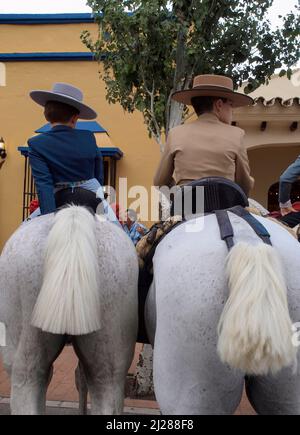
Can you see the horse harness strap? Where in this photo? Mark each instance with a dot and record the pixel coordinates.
(259, 229)
(226, 230)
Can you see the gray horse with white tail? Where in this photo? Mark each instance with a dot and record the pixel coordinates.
(68, 276)
(216, 319)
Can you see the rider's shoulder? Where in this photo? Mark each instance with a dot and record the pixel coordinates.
(35, 140)
(83, 132)
(236, 130)
(195, 124)
(87, 134)
(179, 129)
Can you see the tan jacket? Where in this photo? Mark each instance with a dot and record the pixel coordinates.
(204, 148)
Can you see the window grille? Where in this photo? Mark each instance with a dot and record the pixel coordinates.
(110, 158)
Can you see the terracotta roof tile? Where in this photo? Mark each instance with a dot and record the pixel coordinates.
(285, 103)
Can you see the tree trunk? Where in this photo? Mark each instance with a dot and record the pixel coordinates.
(176, 115)
(144, 372)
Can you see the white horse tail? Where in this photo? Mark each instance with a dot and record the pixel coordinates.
(69, 301)
(255, 328)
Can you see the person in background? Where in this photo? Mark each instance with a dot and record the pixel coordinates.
(289, 176)
(105, 209)
(34, 205)
(134, 229)
(116, 209)
(3, 156)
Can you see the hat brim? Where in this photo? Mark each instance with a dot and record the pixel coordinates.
(238, 99)
(42, 97)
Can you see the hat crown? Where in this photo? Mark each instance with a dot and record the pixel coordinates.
(68, 90)
(213, 80)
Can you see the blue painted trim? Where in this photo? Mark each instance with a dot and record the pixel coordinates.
(46, 18)
(114, 153)
(92, 126)
(45, 57)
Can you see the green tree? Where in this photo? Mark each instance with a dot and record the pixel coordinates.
(151, 48)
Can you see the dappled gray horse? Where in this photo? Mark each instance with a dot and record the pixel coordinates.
(216, 319)
(68, 275)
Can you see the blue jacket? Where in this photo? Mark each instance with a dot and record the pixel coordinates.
(63, 155)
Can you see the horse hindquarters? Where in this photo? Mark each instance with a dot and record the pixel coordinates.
(104, 371)
(32, 370)
(191, 290)
(189, 377)
(105, 355)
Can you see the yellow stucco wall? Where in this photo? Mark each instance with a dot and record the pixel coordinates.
(40, 38)
(19, 117)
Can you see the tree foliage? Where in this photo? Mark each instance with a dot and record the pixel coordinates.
(151, 48)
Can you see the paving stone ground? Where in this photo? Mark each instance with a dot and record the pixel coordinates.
(62, 395)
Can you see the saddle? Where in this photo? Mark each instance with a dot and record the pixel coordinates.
(220, 197)
(77, 196)
(218, 193)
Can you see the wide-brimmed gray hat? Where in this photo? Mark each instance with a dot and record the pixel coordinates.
(65, 93)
